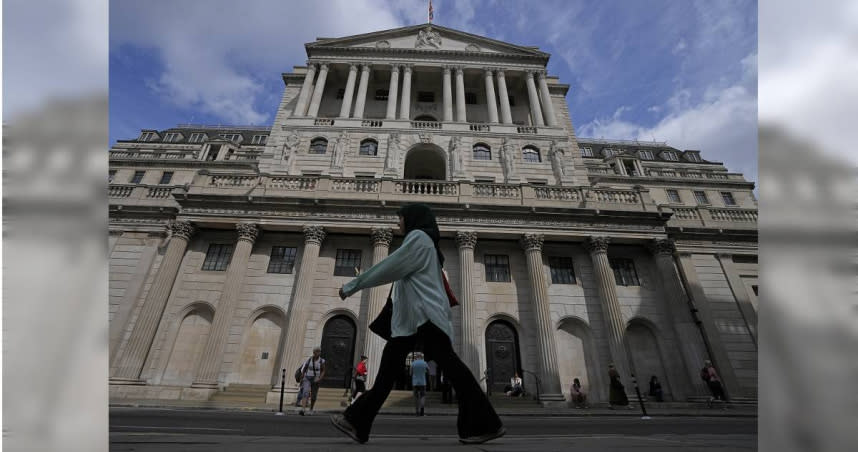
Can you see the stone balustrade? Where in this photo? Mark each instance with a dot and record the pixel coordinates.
(613, 196)
(371, 123)
(350, 185)
(139, 154)
(428, 188)
(559, 193)
(524, 129)
(159, 192)
(120, 191)
(505, 191)
(233, 181)
(425, 125)
(323, 122)
(141, 194)
(479, 127)
(292, 183)
(714, 217)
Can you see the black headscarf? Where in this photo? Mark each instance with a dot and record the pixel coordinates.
(420, 216)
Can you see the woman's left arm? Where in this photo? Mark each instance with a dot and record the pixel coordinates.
(409, 258)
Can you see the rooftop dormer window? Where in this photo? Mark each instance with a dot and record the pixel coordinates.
(197, 137)
(234, 137)
(670, 155)
(259, 139)
(608, 152)
(587, 152)
(692, 156)
(148, 136)
(645, 155)
(172, 137)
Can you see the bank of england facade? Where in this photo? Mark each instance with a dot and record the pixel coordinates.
(228, 244)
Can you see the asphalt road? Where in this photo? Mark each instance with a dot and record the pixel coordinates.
(133, 429)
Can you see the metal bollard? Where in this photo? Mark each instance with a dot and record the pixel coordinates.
(640, 399)
(282, 388)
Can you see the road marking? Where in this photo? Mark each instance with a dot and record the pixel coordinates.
(179, 428)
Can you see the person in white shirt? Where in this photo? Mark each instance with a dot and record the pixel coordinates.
(515, 386)
(314, 372)
(421, 317)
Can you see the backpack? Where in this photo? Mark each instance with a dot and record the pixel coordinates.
(704, 374)
(299, 373)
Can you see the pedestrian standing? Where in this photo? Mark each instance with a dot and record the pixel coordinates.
(432, 383)
(446, 389)
(713, 381)
(421, 313)
(360, 378)
(617, 395)
(419, 368)
(314, 372)
(655, 389)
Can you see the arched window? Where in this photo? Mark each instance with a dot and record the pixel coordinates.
(482, 151)
(369, 147)
(318, 146)
(530, 154)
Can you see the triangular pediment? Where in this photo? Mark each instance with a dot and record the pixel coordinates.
(426, 37)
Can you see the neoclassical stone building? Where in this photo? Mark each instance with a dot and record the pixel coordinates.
(228, 244)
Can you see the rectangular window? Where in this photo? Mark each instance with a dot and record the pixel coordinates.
(341, 93)
(692, 157)
(137, 177)
(282, 259)
(217, 257)
(728, 198)
(172, 137)
(744, 259)
(425, 96)
(631, 170)
(110, 175)
(512, 101)
(561, 270)
(381, 94)
(700, 197)
(471, 98)
(669, 155)
(348, 263)
(624, 272)
(213, 152)
(235, 137)
(587, 152)
(756, 290)
(645, 155)
(497, 268)
(608, 152)
(197, 138)
(259, 139)
(147, 136)
(673, 196)
(166, 177)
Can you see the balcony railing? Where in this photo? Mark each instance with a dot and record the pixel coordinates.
(479, 127)
(323, 122)
(426, 125)
(714, 217)
(371, 123)
(142, 194)
(525, 129)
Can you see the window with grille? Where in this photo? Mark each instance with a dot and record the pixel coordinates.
(197, 138)
(368, 147)
(137, 177)
(587, 152)
(214, 150)
(673, 196)
(282, 259)
(217, 257)
(166, 177)
(669, 155)
(561, 270)
(348, 263)
(319, 146)
(482, 152)
(645, 155)
(259, 139)
(425, 96)
(624, 272)
(172, 137)
(692, 157)
(497, 268)
(381, 94)
(728, 198)
(530, 154)
(700, 197)
(110, 175)
(471, 98)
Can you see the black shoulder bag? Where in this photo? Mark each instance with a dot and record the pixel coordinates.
(381, 324)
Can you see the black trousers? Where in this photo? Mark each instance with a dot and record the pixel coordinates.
(476, 415)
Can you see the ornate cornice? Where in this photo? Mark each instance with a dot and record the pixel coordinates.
(247, 231)
(663, 247)
(182, 229)
(314, 234)
(597, 244)
(381, 236)
(532, 242)
(466, 239)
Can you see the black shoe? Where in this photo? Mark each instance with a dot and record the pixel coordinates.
(346, 427)
(483, 438)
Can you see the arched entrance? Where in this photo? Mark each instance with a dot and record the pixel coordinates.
(576, 358)
(425, 161)
(645, 356)
(502, 355)
(260, 351)
(188, 347)
(338, 346)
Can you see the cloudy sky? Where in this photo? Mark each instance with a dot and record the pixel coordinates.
(684, 72)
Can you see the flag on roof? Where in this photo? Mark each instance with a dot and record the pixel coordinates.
(431, 12)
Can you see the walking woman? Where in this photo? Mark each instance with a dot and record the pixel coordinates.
(617, 395)
(421, 317)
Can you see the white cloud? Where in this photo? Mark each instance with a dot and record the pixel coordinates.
(680, 46)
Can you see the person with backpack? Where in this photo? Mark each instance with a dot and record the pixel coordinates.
(713, 381)
(360, 378)
(312, 374)
(420, 319)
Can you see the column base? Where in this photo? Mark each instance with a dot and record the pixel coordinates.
(290, 395)
(205, 385)
(131, 392)
(126, 381)
(197, 393)
(552, 400)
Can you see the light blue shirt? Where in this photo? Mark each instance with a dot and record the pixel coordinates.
(418, 372)
(418, 294)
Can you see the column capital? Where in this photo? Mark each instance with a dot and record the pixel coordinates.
(406, 68)
(247, 231)
(532, 242)
(353, 65)
(466, 239)
(314, 234)
(182, 229)
(597, 244)
(394, 68)
(500, 72)
(381, 236)
(365, 67)
(446, 68)
(529, 74)
(540, 74)
(488, 71)
(662, 247)
(459, 69)
(312, 64)
(323, 65)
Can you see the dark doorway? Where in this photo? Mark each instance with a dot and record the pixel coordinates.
(502, 356)
(338, 346)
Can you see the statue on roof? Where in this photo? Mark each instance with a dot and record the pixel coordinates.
(427, 37)
(556, 154)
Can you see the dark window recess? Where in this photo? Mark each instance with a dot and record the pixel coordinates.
(282, 259)
(166, 178)
(471, 98)
(341, 93)
(110, 175)
(214, 150)
(624, 272)
(630, 168)
(701, 197)
(368, 147)
(728, 198)
(318, 146)
(561, 270)
(381, 94)
(531, 155)
(744, 259)
(137, 177)
(512, 101)
(425, 96)
(229, 154)
(217, 257)
(348, 263)
(482, 152)
(264, 355)
(756, 290)
(497, 268)
(673, 196)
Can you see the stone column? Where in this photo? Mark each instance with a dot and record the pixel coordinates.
(374, 345)
(691, 347)
(391, 93)
(615, 327)
(306, 89)
(212, 357)
(548, 107)
(317, 92)
(460, 95)
(137, 349)
(535, 111)
(506, 114)
(490, 97)
(360, 103)
(448, 96)
(467, 240)
(299, 309)
(405, 105)
(348, 96)
(546, 347)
